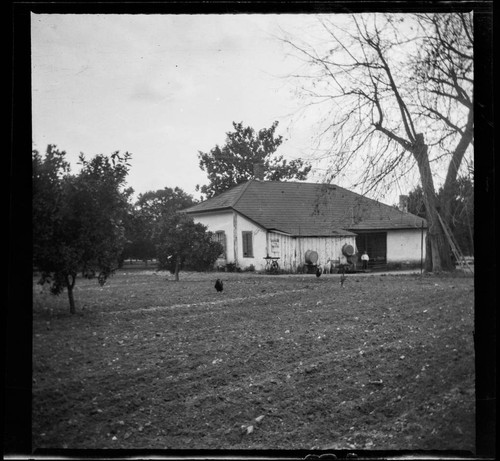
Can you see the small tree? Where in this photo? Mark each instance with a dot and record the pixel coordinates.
(233, 163)
(183, 243)
(149, 210)
(77, 220)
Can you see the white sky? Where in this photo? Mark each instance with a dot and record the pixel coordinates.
(164, 87)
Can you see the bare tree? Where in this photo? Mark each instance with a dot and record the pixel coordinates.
(399, 93)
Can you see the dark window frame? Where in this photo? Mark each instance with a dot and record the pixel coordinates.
(247, 244)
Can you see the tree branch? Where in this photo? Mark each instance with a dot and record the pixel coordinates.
(459, 152)
(403, 142)
(405, 115)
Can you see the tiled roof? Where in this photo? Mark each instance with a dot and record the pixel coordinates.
(308, 209)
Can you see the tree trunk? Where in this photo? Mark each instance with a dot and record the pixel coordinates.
(437, 257)
(70, 283)
(444, 211)
(449, 186)
(428, 252)
(445, 206)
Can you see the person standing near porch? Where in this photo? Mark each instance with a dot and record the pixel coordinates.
(365, 258)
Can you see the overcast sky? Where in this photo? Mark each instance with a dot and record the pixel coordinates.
(161, 87)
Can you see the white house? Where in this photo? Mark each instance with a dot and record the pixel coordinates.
(297, 223)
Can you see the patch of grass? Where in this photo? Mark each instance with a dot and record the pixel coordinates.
(384, 363)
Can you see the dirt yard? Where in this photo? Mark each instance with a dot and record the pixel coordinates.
(272, 362)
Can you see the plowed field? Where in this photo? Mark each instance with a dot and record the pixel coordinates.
(272, 362)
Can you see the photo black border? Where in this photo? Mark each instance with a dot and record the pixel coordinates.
(18, 312)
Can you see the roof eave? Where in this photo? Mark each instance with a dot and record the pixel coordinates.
(211, 210)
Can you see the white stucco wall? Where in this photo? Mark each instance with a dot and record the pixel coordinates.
(233, 224)
(404, 245)
(259, 243)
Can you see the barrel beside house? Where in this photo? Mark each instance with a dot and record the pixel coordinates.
(311, 261)
(311, 257)
(347, 250)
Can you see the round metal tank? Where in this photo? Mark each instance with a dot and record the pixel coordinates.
(347, 250)
(311, 257)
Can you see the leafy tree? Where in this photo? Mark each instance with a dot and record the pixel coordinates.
(138, 237)
(151, 209)
(77, 219)
(416, 203)
(398, 89)
(233, 163)
(48, 175)
(183, 243)
(154, 205)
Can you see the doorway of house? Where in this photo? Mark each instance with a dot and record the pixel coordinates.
(375, 244)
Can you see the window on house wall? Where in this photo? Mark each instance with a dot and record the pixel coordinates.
(220, 236)
(247, 244)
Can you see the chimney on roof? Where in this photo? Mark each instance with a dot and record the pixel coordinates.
(403, 203)
(258, 170)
